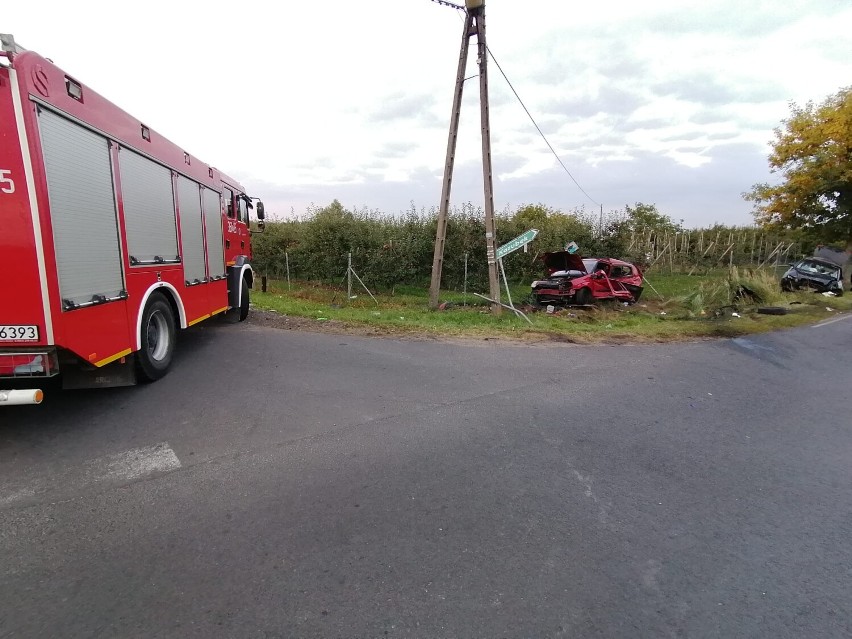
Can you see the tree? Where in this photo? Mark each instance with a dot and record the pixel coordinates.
(532, 215)
(646, 217)
(812, 152)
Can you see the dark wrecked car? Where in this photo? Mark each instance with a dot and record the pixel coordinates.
(572, 279)
(821, 275)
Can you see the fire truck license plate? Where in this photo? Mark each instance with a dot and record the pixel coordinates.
(18, 333)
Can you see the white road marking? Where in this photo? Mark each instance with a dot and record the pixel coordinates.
(586, 482)
(750, 345)
(10, 497)
(649, 574)
(119, 468)
(832, 321)
(135, 463)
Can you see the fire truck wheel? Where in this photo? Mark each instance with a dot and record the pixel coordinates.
(244, 300)
(158, 339)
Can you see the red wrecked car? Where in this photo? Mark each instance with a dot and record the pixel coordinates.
(572, 279)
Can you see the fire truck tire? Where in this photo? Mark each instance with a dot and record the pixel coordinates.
(158, 339)
(244, 300)
(583, 297)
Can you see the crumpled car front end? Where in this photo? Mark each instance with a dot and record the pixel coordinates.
(815, 274)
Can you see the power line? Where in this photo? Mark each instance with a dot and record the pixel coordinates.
(450, 4)
(532, 119)
(541, 133)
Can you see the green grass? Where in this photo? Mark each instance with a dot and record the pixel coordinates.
(683, 307)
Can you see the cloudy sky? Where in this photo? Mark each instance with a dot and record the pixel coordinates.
(665, 102)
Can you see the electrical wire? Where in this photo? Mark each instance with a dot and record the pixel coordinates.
(450, 4)
(540, 132)
(526, 110)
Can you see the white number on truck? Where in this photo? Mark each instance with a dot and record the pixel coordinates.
(7, 185)
(18, 333)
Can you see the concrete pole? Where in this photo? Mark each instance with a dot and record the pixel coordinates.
(490, 225)
(441, 233)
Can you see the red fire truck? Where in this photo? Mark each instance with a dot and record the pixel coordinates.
(112, 235)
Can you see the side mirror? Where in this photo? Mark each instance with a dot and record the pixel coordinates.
(261, 215)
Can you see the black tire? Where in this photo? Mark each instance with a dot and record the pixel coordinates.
(244, 300)
(772, 310)
(583, 297)
(158, 339)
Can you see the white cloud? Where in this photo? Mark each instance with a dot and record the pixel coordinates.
(306, 102)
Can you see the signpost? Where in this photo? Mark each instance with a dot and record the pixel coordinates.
(513, 245)
(518, 242)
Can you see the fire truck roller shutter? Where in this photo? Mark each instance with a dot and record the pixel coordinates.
(213, 225)
(82, 210)
(192, 239)
(149, 209)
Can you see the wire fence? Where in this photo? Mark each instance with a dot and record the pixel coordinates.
(700, 251)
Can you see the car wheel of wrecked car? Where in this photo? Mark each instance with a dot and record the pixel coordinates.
(787, 285)
(583, 297)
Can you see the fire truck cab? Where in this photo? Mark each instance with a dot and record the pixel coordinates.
(113, 237)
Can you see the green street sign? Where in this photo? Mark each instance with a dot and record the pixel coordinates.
(518, 242)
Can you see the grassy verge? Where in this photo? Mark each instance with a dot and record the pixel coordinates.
(683, 307)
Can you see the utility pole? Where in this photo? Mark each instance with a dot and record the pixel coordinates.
(474, 25)
(443, 211)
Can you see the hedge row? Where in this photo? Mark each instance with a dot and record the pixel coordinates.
(397, 250)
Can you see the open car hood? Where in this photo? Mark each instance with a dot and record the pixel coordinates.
(563, 261)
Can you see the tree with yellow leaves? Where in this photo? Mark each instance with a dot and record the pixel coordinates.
(812, 152)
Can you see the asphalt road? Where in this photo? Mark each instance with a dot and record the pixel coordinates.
(286, 484)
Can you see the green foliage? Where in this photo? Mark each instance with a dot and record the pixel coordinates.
(645, 217)
(392, 251)
(812, 152)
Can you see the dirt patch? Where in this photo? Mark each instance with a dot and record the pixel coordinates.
(271, 319)
(709, 328)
